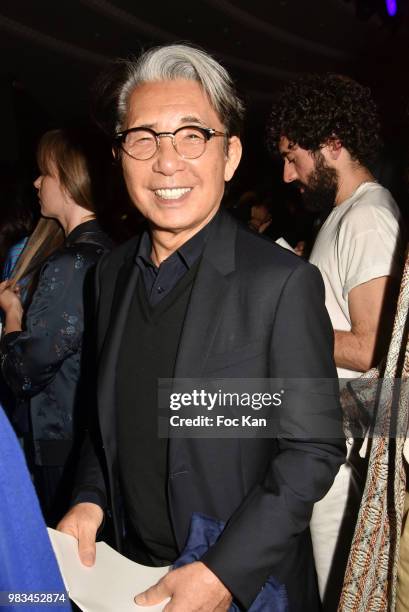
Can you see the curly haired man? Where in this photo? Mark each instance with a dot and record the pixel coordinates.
(326, 128)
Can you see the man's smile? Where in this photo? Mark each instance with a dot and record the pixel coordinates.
(172, 193)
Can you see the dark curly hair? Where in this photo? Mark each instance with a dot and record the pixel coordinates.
(314, 109)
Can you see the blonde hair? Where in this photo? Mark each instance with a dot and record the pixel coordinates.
(46, 238)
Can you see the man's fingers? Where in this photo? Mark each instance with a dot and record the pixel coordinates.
(86, 545)
(154, 595)
(82, 522)
(67, 528)
(86, 540)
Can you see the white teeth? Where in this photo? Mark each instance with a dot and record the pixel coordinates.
(172, 194)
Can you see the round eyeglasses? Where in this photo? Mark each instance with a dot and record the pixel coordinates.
(142, 143)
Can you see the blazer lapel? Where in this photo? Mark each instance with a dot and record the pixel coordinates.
(201, 322)
(205, 305)
(203, 316)
(125, 287)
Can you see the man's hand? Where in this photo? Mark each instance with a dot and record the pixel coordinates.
(82, 522)
(300, 248)
(191, 588)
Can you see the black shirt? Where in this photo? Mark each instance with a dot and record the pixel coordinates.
(159, 281)
(148, 351)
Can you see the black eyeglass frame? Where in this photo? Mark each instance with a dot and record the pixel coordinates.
(208, 133)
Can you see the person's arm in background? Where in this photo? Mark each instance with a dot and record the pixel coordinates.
(11, 306)
(369, 248)
(371, 308)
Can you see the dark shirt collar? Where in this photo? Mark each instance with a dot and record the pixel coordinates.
(189, 252)
(87, 226)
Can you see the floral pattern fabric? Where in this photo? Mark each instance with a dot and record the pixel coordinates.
(42, 364)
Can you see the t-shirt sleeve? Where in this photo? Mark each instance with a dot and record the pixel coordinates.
(368, 246)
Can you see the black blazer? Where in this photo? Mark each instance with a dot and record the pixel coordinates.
(256, 310)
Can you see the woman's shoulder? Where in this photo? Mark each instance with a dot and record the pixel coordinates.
(95, 238)
(64, 273)
(74, 257)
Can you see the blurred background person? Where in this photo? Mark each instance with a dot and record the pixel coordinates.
(260, 217)
(41, 348)
(278, 214)
(18, 217)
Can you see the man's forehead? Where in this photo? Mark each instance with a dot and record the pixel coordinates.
(183, 101)
(184, 120)
(286, 146)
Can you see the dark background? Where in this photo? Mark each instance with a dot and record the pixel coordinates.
(53, 50)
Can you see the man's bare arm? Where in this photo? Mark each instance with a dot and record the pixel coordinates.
(371, 307)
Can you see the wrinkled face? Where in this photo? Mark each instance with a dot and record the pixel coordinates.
(173, 193)
(318, 182)
(51, 195)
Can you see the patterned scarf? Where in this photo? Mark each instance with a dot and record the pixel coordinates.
(371, 575)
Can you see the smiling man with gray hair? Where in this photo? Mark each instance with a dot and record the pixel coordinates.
(199, 296)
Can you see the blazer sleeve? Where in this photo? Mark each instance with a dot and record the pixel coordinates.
(261, 533)
(54, 325)
(90, 482)
(90, 478)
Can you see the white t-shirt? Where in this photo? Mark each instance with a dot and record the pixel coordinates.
(359, 241)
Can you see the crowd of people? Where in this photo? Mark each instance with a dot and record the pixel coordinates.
(95, 314)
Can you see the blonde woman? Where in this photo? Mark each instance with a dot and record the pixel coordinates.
(42, 341)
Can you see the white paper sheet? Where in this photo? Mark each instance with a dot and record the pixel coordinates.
(282, 242)
(111, 584)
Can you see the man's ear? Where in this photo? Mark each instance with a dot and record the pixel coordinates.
(333, 148)
(233, 157)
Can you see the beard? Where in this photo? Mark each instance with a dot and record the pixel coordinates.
(321, 188)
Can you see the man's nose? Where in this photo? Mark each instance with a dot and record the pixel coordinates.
(37, 182)
(289, 173)
(167, 160)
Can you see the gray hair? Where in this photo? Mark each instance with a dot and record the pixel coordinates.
(183, 62)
